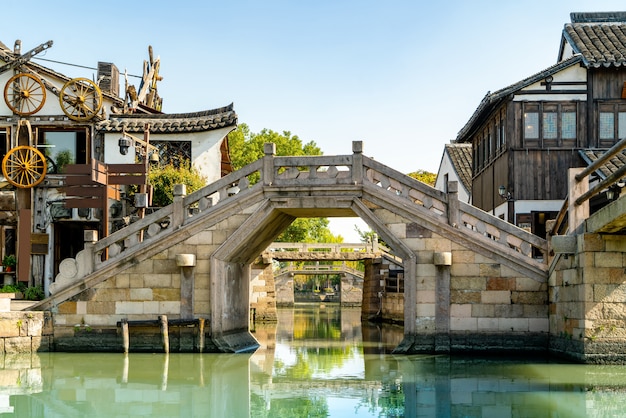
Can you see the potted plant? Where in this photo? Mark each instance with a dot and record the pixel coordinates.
(8, 262)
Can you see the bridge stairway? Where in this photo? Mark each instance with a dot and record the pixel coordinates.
(345, 185)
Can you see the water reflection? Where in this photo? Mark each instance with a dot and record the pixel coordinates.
(318, 362)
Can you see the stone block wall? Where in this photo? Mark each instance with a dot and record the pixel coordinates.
(263, 293)
(475, 303)
(25, 332)
(393, 307)
(587, 295)
(351, 290)
(143, 292)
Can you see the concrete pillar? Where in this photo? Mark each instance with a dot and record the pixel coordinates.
(186, 262)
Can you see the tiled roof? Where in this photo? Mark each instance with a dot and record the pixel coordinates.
(461, 158)
(492, 100)
(599, 37)
(608, 168)
(172, 122)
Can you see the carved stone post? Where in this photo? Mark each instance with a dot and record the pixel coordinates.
(357, 162)
(268, 163)
(178, 214)
(453, 204)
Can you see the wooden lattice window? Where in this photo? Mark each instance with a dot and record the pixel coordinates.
(173, 152)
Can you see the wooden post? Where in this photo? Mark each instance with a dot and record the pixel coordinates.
(165, 333)
(125, 337)
(201, 334)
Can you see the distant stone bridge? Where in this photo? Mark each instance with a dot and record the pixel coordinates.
(470, 279)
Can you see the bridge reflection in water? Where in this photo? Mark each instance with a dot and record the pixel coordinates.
(318, 362)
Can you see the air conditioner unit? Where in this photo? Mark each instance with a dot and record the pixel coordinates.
(109, 77)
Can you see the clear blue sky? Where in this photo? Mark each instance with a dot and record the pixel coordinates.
(401, 76)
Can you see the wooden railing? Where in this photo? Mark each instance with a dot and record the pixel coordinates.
(303, 172)
(563, 224)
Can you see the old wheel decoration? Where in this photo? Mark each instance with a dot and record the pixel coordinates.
(25, 94)
(81, 99)
(24, 167)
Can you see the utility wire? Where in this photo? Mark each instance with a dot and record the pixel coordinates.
(76, 65)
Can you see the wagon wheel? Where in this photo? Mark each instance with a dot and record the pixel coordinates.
(81, 99)
(24, 166)
(25, 94)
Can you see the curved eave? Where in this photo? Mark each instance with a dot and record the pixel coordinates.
(207, 120)
(599, 56)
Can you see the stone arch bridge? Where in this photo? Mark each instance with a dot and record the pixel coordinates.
(471, 281)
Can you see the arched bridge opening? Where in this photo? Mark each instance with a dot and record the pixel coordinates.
(193, 259)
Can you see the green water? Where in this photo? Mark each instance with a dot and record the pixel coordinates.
(318, 362)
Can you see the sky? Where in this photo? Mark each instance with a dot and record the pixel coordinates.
(402, 76)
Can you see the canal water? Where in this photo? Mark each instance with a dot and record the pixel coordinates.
(319, 361)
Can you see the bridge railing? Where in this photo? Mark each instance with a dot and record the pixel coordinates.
(446, 208)
(353, 170)
(319, 269)
(185, 209)
(324, 247)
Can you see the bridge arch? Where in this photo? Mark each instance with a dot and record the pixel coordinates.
(425, 227)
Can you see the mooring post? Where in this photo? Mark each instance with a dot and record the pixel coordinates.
(165, 333)
(201, 334)
(125, 337)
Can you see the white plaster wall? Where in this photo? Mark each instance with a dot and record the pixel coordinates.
(205, 149)
(446, 167)
(571, 74)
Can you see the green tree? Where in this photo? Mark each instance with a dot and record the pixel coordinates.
(424, 176)
(246, 147)
(164, 178)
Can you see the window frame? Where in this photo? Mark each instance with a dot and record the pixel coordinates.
(617, 111)
(82, 154)
(550, 126)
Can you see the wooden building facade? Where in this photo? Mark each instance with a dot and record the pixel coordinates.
(525, 137)
(69, 148)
